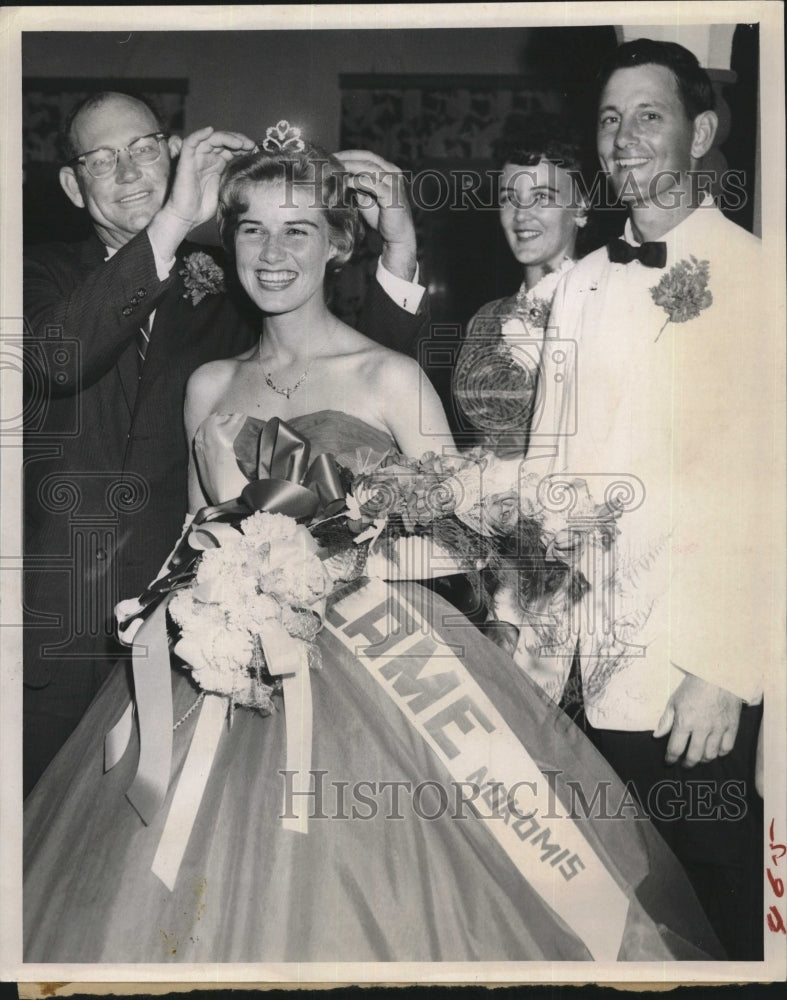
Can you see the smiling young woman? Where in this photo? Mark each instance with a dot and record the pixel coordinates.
(288, 219)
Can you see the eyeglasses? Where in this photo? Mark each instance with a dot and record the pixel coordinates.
(102, 162)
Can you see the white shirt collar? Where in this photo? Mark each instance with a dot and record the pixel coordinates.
(628, 231)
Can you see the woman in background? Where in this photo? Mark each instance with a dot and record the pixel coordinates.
(542, 214)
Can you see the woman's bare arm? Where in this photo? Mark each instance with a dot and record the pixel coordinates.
(411, 408)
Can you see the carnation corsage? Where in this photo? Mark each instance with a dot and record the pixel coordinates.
(265, 580)
(202, 276)
(683, 291)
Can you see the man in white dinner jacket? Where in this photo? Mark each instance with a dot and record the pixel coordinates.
(674, 372)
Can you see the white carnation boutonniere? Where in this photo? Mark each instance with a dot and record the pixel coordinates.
(683, 291)
(202, 276)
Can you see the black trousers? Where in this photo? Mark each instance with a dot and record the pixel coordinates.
(52, 712)
(711, 817)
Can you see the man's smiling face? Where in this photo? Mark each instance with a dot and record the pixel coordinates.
(644, 135)
(123, 203)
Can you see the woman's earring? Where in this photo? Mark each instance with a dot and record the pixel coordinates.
(582, 221)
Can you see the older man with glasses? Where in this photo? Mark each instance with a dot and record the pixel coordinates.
(114, 327)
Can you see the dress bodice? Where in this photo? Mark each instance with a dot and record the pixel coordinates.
(496, 376)
(353, 442)
(494, 380)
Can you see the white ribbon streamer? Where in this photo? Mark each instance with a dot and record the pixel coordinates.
(288, 658)
(191, 787)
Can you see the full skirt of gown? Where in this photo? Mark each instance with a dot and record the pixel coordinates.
(421, 879)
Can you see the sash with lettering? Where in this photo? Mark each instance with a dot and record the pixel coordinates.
(552, 838)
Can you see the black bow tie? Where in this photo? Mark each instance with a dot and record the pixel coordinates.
(648, 254)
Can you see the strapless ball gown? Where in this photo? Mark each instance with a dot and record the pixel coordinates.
(377, 877)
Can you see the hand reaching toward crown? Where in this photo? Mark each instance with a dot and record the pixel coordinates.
(383, 203)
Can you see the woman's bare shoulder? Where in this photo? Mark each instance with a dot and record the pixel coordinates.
(205, 387)
(393, 366)
(373, 353)
(213, 375)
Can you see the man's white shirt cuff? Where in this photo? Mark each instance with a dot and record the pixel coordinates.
(406, 294)
(163, 267)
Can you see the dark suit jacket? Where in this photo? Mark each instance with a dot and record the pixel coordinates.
(105, 463)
